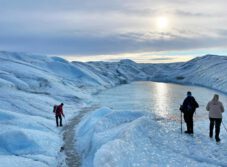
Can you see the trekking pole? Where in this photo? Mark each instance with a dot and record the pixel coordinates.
(65, 120)
(224, 126)
(181, 121)
(181, 118)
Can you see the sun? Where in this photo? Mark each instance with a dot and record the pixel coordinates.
(162, 23)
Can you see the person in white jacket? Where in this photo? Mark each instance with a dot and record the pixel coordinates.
(215, 108)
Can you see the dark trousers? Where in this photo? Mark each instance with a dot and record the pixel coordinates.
(58, 116)
(217, 123)
(188, 118)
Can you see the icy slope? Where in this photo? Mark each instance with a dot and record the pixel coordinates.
(30, 85)
(208, 71)
(110, 138)
(116, 73)
(43, 74)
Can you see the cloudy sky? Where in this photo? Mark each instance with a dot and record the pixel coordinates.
(143, 30)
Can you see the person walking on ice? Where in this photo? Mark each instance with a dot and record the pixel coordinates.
(215, 108)
(188, 108)
(58, 110)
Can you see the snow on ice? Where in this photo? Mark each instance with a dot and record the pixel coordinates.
(135, 139)
(31, 84)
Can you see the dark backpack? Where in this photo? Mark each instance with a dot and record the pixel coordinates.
(55, 108)
(190, 105)
(189, 108)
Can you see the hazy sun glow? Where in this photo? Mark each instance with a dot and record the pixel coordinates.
(162, 23)
(150, 57)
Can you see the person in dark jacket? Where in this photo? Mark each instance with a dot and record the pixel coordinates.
(188, 108)
(59, 113)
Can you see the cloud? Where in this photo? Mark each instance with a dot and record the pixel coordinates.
(114, 44)
(84, 27)
(188, 13)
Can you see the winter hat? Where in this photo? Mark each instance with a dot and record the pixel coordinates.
(189, 93)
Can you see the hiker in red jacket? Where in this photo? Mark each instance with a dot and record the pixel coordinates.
(59, 113)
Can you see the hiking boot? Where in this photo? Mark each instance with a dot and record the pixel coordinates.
(190, 132)
(218, 140)
(186, 132)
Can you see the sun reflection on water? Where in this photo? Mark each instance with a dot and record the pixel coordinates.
(162, 99)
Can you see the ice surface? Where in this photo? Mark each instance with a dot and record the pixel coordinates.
(31, 84)
(126, 139)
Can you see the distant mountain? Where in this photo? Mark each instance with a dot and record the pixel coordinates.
(208, 71)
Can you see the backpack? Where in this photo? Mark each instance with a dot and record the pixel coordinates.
(55, 108)
(189, 107)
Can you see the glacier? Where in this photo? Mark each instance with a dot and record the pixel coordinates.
(31, 84)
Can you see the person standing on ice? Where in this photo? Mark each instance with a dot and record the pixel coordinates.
(215, 108)
(59, 113)
(188, 108)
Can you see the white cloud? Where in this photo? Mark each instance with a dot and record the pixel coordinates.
(116, 26)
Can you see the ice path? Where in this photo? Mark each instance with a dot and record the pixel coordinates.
(73, 159)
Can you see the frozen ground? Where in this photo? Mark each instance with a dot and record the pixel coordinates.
(31, 84)
(126, 139)
(144, 130)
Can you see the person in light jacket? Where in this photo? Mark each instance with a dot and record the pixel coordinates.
(215, 108)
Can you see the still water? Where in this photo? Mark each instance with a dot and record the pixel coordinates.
(162, 99)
